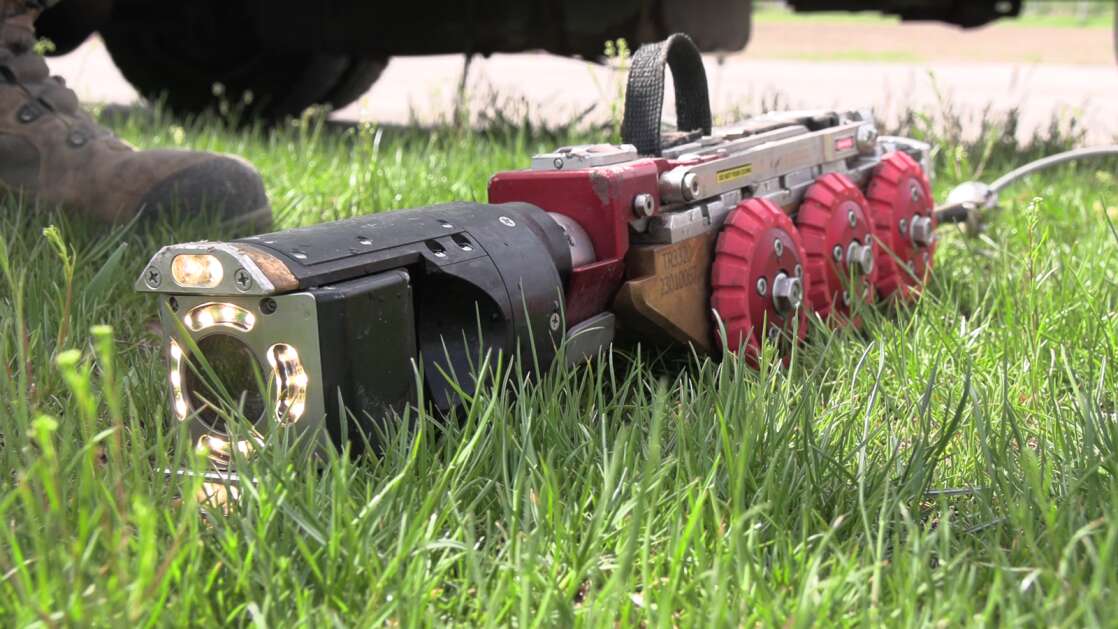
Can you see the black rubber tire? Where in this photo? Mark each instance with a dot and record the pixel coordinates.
(178, 60)
(68, 24)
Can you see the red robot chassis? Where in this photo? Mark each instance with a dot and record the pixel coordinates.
(757, 222)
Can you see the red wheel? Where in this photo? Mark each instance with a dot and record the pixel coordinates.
(900, 202)
(838, 240)
(757, 278)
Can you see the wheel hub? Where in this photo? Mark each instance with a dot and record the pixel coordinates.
(758, 281)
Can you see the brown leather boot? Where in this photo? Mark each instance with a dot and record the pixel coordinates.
(53, 152)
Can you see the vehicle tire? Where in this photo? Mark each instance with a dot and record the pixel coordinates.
(68, 24)
(179, 58)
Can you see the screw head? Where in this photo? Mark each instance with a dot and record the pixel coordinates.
(836, 253)
(242, 280)
(799, 271)
(173, 304)
(774, 333)
(643, 205)
(903, 225)
(691, 188)
(507, 222)
(152, 277)
(268, 306)
(852, 218)
(558, 163)
(915, 191)
(778, 247)
(762, 286)
(555, 321)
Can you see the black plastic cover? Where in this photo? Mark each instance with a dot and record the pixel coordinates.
(366, 331)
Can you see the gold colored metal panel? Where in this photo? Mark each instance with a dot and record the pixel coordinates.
(668, 293)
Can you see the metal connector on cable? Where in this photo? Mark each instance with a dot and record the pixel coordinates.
(967, 201)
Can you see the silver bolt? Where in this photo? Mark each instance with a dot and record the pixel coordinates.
(903, 227)
(507, 222)
(836, 253)
(915, 190)
(762, 286)
(691, 186)
(242, 280)
(152, 277)
(778, 247)
(788, 293)
(852, 218)
(774, 333)
(860, 257)
(799, 271)
(555, 322)
(921, 233)
(643, 205)
(558, 163)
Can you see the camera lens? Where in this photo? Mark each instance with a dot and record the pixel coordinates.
(236, 369)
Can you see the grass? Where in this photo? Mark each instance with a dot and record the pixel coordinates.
(954, 463)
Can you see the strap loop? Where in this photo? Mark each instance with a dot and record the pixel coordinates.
(644, 94)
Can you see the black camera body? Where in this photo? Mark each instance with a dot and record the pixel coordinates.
(346, 322)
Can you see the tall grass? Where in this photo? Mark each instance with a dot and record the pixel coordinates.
(953, 463)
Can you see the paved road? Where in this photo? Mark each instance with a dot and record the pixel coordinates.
(1081, 84)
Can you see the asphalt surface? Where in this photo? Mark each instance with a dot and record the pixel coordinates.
(1047, 74)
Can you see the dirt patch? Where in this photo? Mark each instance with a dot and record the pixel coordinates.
(921, 42)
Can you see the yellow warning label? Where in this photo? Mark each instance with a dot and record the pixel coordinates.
(736, 172)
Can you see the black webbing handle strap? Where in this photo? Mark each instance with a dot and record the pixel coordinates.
(644, 95)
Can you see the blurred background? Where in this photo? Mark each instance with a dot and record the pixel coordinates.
(1050, 64)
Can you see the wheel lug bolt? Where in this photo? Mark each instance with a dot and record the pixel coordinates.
(853, 218)
(762, 286)
(778, 247)
(836, 253)
(921, 231)
(860, 257)
(788, 293)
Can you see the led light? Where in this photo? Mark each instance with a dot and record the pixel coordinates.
(291, 383)
(221, 450)
(215, 314)
(197, 271)
(181, 407)
(224, 447)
